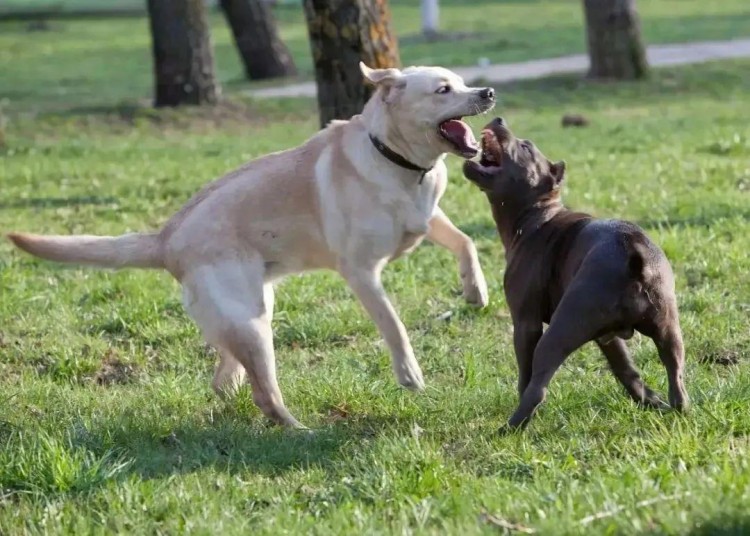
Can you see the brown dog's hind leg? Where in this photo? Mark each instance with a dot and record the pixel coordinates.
(663, 326)
(622, 367)
(668, 342)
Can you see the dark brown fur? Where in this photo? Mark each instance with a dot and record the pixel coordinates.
(588, 279)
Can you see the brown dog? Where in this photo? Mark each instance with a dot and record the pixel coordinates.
(588, 279)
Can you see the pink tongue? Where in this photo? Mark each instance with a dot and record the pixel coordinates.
(460, 135)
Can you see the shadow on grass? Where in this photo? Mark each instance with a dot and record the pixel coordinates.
(126, 111)
(713, 79)
(704, 219)
(232, 110)
(57, 202)
(138, 444)
(232, 446)
(486, 229)
(724, 526)
(57, 12)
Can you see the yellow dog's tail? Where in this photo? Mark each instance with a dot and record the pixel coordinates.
(142, 250)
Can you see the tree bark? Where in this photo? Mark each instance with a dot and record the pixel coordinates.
(343, 33)
(263, 52)
(615, 45)
(183, 58)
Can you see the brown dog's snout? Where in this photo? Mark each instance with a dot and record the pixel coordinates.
(500, 129)
(498, 124)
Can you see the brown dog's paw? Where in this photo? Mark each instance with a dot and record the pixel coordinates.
(681, 403)
(508, 429)
(652, 401)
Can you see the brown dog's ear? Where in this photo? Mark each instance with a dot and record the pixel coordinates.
(384, 79)
(557, 172)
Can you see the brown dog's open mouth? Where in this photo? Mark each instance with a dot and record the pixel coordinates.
(492, 150)
(460, 136)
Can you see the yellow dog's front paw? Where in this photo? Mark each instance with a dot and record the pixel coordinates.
(475, 290)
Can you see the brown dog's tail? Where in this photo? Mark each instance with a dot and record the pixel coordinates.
(639, 254)
(136, 249)
(635, 264)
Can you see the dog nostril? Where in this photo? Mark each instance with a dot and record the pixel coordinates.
(500, 121)
(487, 93)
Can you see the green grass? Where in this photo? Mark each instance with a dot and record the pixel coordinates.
(108, 424)
(93, 62)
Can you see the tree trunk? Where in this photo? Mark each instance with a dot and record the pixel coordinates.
(615, 45)
(254, 28)
(430, 18)
(183, 59)
(343, 33)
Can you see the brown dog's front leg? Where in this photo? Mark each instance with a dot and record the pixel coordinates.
(526, 335)
(548, 356)
(575, 322)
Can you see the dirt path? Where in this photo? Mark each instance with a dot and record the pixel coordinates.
(658, 56)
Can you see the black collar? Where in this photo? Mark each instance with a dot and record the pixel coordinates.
(397, 159)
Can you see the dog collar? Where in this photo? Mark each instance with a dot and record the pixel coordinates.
(397, 159)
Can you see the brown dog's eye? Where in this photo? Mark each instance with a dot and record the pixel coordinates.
(443, 89)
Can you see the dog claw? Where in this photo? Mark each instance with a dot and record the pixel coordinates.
(413, 384)
(654, 402)
(651, 400)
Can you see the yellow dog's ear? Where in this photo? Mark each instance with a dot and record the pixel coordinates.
(380, 76)
(388, 81)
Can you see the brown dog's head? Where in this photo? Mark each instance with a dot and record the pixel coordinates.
(513, 169)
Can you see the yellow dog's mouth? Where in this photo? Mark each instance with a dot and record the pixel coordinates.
(459, 135)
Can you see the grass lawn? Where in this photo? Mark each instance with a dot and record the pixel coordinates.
(94, 62)
(108, 424)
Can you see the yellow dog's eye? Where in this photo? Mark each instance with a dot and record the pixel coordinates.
(443, 89)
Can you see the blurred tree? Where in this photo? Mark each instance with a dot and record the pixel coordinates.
(183, 58)
(263, 52)
(343, 33)
(615, 44)
(430, 18)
